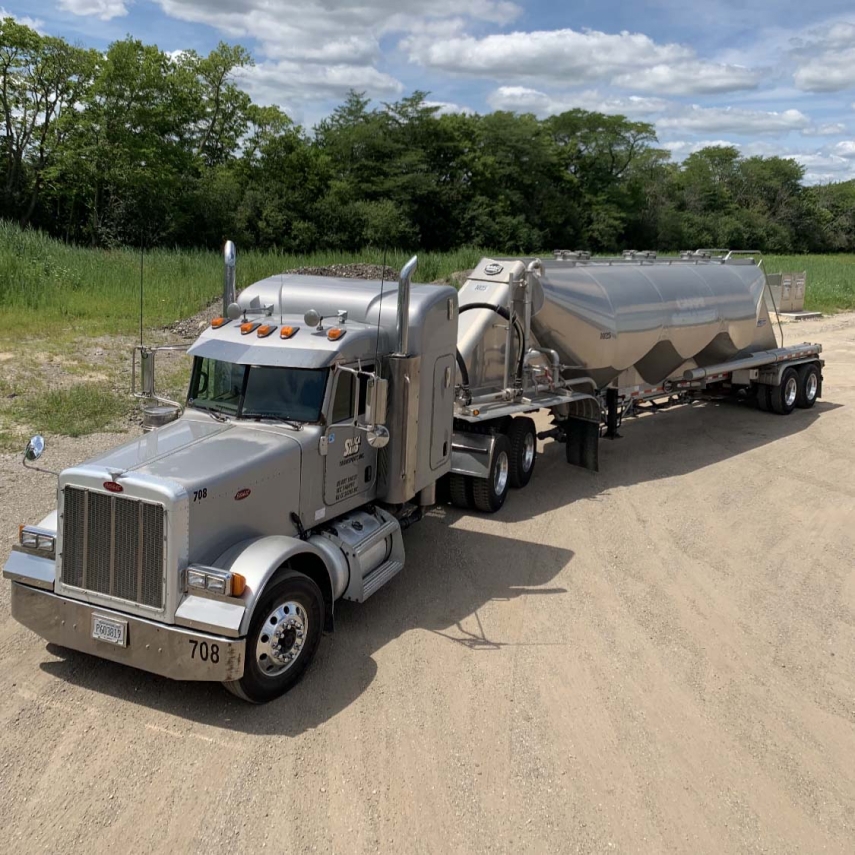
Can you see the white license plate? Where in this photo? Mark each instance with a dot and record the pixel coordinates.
(110, 630)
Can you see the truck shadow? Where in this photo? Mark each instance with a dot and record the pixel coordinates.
(450, 575)
(452, 572)
(657, 444)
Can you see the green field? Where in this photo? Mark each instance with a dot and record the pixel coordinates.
(98, 290)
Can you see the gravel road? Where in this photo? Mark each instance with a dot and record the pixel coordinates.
(658, 658)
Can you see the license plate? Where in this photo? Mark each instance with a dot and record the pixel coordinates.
(110, 630)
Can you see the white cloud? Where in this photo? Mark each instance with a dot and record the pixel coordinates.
(631, 60)
(445, 108)
(287, 83)
(36, 24)
(521, 99)
(691, 78)
(845, 149)
(697, 119)
(681, 149)
(106, 10)
(828, 130)
(826, 58)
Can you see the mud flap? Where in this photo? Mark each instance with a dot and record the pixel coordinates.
(583, 443)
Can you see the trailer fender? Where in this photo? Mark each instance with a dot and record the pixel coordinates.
(258, 559)
(771, 375)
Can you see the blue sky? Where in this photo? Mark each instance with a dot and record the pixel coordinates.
(770, 77)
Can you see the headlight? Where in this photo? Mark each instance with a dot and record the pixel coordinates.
(215, 581)
(37, 540)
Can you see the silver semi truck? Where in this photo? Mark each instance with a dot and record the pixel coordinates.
(323, 413)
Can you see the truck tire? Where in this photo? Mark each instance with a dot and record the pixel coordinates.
(489, 494)
(763, 402)
(809, 380)
(459, 488)
(784, 396)
(522, 436)
(283, 636)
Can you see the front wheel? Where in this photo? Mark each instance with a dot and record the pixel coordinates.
(283, 636)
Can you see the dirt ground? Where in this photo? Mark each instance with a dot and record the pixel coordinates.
(658, 658)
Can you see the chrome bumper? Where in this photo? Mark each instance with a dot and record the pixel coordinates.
(170, 651)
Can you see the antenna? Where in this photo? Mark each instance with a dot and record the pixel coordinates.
(142, 257)
(379, 310)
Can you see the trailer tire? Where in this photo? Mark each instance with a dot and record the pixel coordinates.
(784, 396)
(292, 601)
(809, 383)
(522, 436)
(489, 494)
(763, 402)
(460, 489)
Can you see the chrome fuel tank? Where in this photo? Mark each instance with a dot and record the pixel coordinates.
(605, 318)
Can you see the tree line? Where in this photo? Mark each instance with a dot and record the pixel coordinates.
(138, 145)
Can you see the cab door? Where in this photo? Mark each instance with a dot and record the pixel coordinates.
(350, 468)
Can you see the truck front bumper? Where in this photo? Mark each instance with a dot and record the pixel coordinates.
(170, 651)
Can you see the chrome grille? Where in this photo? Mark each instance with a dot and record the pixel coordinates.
(113, 545)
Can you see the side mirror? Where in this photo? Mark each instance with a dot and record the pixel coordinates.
(377, 436)
(35, 448)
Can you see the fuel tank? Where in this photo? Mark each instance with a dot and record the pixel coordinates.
(653, 316)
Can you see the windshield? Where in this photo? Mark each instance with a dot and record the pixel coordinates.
(258, 391)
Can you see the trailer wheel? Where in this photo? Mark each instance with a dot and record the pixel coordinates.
(459, 488)
(283, 636)
(763, 402)
(522, 436)
(809, 379)
(489, 494)
(783, 397)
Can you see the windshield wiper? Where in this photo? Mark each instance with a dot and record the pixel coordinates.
(276, 417)
(213, 412)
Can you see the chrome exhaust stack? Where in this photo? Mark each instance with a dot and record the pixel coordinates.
(404, 306)
(229, 258)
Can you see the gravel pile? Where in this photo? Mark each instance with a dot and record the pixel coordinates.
(191, 327)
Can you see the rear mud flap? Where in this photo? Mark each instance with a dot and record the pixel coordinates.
(583, 443)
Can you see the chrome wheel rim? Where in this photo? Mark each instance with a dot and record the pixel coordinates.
(500, 479)
(528, 452)
(811, 386)
(281, 638)
(791, 390)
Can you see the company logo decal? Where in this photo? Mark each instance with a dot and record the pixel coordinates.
(113, 487)
(352, 446)
(242, 494)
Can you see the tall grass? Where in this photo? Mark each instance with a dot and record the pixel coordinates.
(100, 288)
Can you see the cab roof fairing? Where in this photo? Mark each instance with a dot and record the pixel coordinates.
(311, 348)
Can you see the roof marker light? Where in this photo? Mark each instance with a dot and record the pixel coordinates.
(335, 334)
(288, 332)
(248, 327)
(219, 322)
(266, 329)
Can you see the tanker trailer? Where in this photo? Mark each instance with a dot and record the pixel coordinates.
(592, 340)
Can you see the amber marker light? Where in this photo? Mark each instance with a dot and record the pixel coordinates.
(219, 322)
(288, 332)
(248, 327)
(238, 584)
(266, 329)
(335, 334)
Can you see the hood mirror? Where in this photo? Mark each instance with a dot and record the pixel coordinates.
(35, 448)
(377, 436)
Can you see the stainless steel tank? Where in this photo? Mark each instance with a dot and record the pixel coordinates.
(653, 317)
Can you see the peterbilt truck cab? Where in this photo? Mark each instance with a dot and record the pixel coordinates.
(216, 546)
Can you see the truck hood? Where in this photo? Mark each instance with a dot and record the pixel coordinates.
(235, 480)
